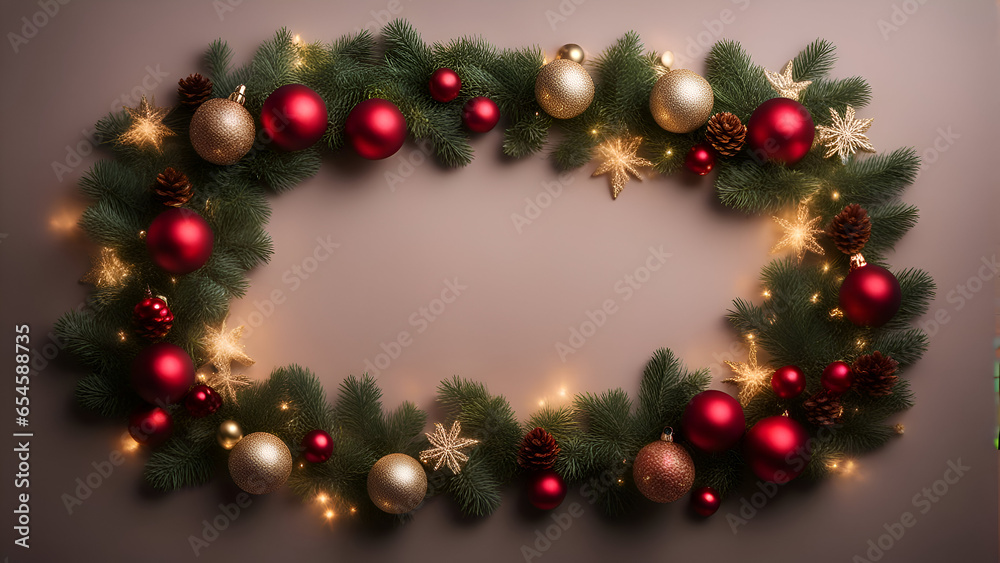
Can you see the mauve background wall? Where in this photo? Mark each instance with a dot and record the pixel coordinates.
(934, 81)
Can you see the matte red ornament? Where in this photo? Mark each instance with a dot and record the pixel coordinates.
(375, 128)
(294, 116)
(870, 296)
(480, 114)
(150, 426)
(546, 490)
(444, 85)
(788, 382)
(705, 501)
(700, 159)
(317, 446)
(202, 401)
(777, 449)
(780, 130)
(179, 241)
(162, 373)
(151, 318)
(713, 421)
(837, 377)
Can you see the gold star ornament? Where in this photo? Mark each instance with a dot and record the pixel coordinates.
(784, 84)
(147, 127)
(223, 347)
(620, 160)
(108, 270)
(447, 448)
(750, 377)
(799, 235)
(846, 135)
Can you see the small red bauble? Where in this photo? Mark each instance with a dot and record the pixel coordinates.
(705, 501)
(150, 426)
(375, 128)
(700, 159)
(713, 421)
(179, 241)
(837, 377)
(788, 382)
(162, 373)
(317, 446)
(294, 116)
(152, 318)
(480, 114)
(870, 296)
(780, 130)
(546, 490)
(444, 85)
(202, 401)
(777, 449)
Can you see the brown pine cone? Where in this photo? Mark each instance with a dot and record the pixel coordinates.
(875, 374)
(851, 229)
(172, 188)
(194, 90)
(823, 409)
(726, 133)
(539, 451)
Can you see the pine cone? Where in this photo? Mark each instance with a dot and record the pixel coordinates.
(172, 188)
(874, 374)
(823, 409)
(539, 451)
(851, 229)
(194, 90)
(726, 133)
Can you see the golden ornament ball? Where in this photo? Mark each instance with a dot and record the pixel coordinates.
(564, 89)
(260, 463)
(667, 59)
(229, 434)
(681, 101)
(222, 130)
(663, 471)
(397, 483)
(572, 52)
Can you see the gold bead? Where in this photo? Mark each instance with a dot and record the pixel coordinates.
(681, 101)
(260, 463)
(397, 483)
(571, 51)
(229, 434)
(667, 59)
(222, 130)
(564, 89)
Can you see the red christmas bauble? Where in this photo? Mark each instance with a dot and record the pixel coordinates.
(700, 159)
(294, 116)
(179, 241)
(713, 421)
(705, 501)
(777, 449)
(444, 85)
(780, 130)
(837, 377)
(788, 382)
(202, 401)
(480, 114)
(546, 490)
(162, 373)
(151, 318)
(317, 446)
(375, 128)
(150, 426)
(870, 296)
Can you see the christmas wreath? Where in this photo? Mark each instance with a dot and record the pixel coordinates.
(179, 213)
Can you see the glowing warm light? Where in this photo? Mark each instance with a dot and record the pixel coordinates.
(173, 280)
(836, 313)
(767, 294)
(354, 510)
(108, 270)
(621, 481)
(121, 335)
(147, 125)
(668, 152)
(835, 196)
(297, 39)
(750, 377)
(329, 514)
(322, 498)
(64, 220)
(814, 298)
(861, 343)
(826, 267)
(284, 406)
(800, 234)
(541, 403)
(593, 131)
(562, 392)
(128, 443)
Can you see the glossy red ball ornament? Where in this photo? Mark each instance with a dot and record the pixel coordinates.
(444, 85)
(202, 401)
(546, 490)
(713, 421)
(837, 378)
(162, 373)
(705, 501)
(480, 114)
(375, 128)
(151, 318)
(788, 382)
(780, 130)
(317, 446)
(700, 159)
(179, 241)
(870, 296)
(777, 449)
(150, 426)
(294, 117)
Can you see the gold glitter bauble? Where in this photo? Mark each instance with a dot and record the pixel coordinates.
(260, 463)
(229, 434)
(681, 101)
(564, 89)
(572, 52)
(397, 483)
(222, 130)
(663, 471)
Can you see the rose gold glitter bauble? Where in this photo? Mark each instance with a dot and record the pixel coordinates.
(222, 130)
(663, 471)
